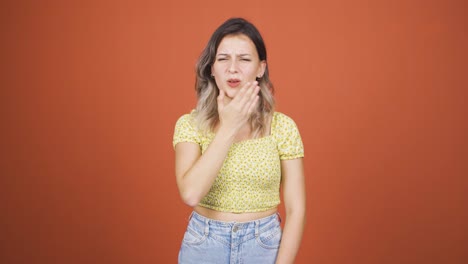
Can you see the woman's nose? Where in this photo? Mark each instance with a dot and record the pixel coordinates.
(232, 67)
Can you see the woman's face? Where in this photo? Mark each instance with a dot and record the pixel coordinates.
(236, 63)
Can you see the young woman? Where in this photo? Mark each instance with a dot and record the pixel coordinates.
(233, 152)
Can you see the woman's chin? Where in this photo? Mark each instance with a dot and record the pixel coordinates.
(230, 94)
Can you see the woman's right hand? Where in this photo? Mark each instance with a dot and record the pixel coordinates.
(236, 113)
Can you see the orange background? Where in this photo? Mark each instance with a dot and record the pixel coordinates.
(91, 91)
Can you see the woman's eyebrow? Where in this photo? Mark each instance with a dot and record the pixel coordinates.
(242, 55)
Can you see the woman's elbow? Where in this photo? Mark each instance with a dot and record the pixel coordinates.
(189, 199)
(189, 193)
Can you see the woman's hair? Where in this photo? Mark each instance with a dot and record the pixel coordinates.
(207, 90)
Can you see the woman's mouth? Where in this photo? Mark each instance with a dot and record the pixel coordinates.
(233, 82)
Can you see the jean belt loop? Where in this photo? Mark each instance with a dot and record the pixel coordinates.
(279, 216)
(257, 224)
(207, 226)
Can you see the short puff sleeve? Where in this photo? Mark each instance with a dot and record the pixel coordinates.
(185, 131)
(288, 138)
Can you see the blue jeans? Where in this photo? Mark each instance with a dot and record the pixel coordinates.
(211, 241)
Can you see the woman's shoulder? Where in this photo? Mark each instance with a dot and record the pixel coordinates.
(187, 116)
(281, 119)
(185, 130)
(186, 119)
(287, 135)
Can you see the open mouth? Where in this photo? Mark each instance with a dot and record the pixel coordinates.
(233, 82)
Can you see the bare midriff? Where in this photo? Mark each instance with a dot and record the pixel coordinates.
(233, 217)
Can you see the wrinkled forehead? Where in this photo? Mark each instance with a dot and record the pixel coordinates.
(237, 45)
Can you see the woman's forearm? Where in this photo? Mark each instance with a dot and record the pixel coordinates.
(197, 181)
(292, 236)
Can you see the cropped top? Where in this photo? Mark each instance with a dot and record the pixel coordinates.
(249, 179)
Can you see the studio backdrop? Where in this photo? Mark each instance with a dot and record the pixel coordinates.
(91, 91)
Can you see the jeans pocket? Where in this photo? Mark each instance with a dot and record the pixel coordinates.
(194, 236)
(271, 238)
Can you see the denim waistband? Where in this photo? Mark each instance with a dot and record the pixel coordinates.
(217, 224)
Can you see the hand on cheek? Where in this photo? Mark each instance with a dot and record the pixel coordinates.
(236, 113)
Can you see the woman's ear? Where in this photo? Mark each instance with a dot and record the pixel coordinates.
(261, 69)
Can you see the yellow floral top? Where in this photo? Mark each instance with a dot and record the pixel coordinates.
(249, 180)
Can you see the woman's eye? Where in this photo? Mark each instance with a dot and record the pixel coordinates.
(221, 59)
(245, 59)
